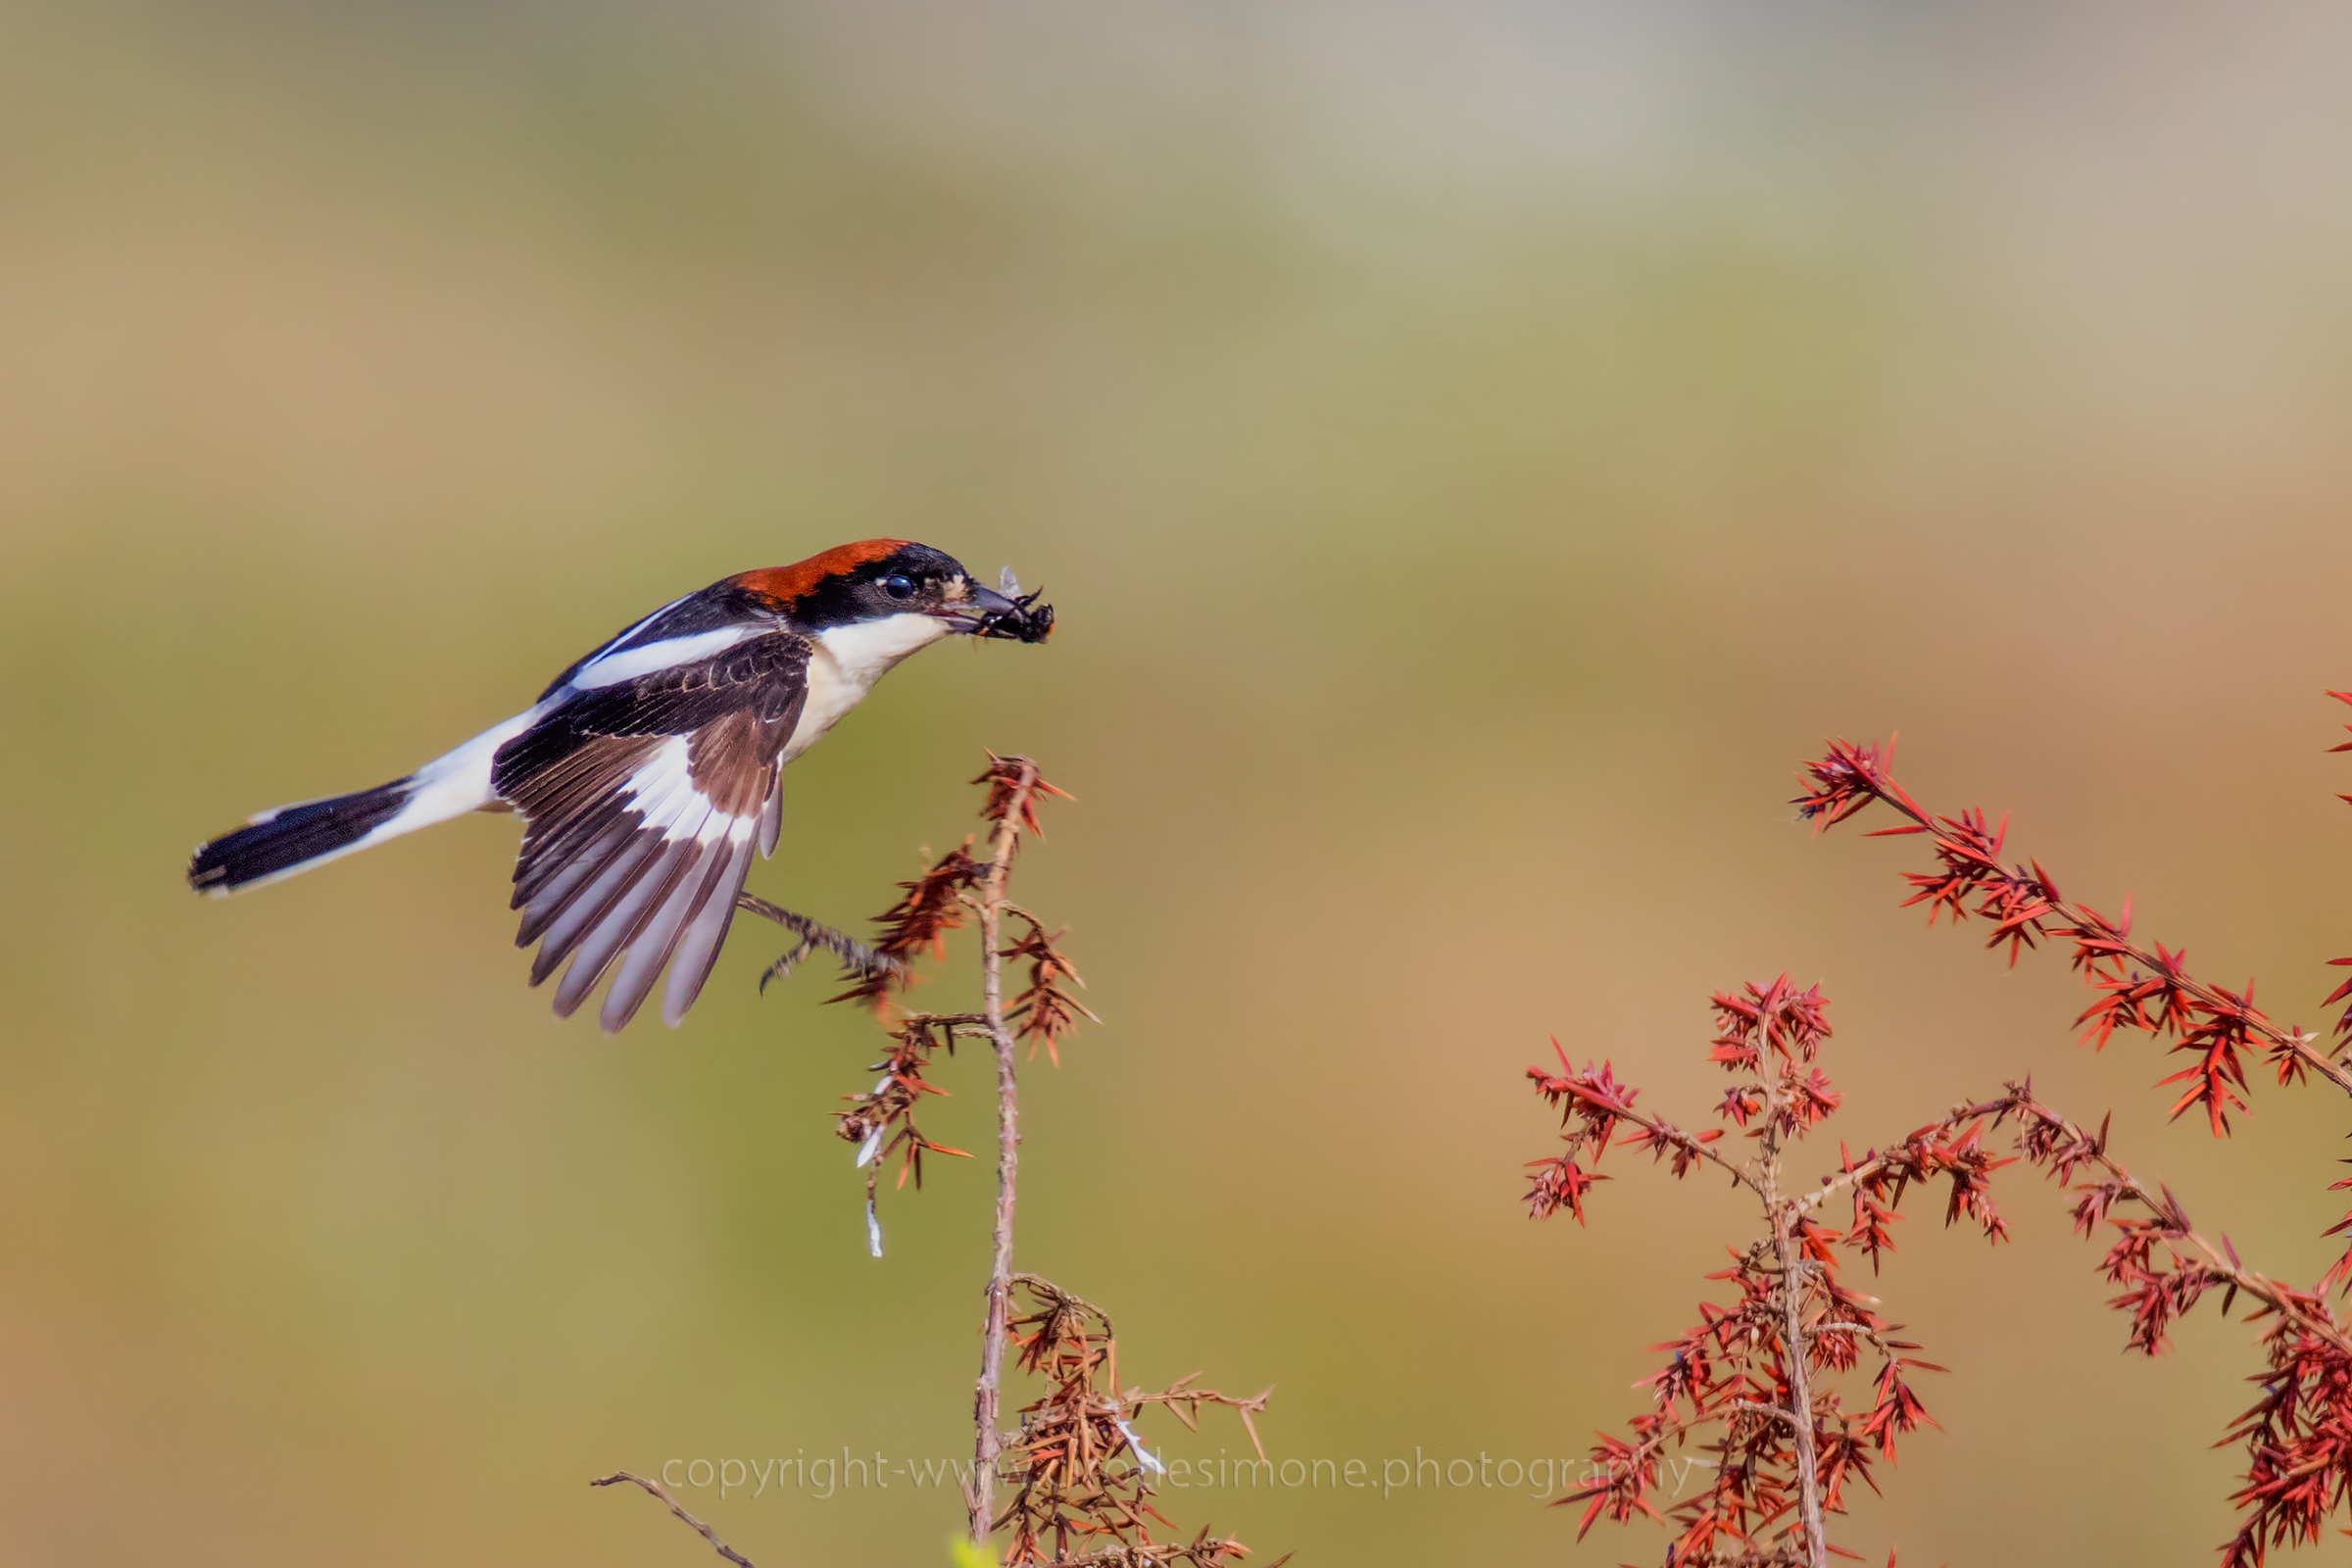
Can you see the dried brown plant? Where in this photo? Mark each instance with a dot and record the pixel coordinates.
(1080, 1478)
(1080, 1474)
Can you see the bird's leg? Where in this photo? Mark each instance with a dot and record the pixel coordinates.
(813, 934)
(786, 962)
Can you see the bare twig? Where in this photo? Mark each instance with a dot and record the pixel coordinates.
(1184, 1403)
(657, 1490)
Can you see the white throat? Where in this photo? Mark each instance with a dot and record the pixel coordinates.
(846, 661)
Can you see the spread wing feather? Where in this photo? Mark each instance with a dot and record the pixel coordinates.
(704, 932)
(642, 801)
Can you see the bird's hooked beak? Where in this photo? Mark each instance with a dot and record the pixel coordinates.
(986, 613)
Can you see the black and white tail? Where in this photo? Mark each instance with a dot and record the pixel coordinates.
(294, 838)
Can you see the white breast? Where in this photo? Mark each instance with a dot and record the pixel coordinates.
(846, 661)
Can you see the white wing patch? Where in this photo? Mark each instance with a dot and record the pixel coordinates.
(627, 663)
(661, 787)
(664, 895)
(623, 638)
(633, 866)
(664, 795)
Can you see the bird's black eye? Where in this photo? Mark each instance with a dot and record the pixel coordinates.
(899, 586)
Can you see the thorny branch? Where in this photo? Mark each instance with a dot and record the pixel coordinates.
(1603, 1098)
(2052, 1140)
(2298, 1436)
(1783, 1450)
(659, 1490)
(1787, 1249)
(1067, 1499)
(2143, 989)
(1745, 1370)
(1013, 786)
(881, 1121)
(1056, 1460)
(1070, 1502)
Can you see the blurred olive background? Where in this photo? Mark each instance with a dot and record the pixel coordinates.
(1477, 452)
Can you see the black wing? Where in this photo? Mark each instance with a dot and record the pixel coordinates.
(642, 801)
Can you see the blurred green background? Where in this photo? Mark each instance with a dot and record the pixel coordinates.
(1477, 451)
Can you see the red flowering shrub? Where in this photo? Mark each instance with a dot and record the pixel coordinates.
(1761, 1383)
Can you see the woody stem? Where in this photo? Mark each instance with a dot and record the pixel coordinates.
(987, 1400)
(1783, 1219)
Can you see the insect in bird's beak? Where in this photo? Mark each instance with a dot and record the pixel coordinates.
(1005, 612)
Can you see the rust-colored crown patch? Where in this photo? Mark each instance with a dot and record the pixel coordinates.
(786, 584)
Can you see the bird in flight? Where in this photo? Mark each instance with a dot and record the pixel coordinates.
(647, 771)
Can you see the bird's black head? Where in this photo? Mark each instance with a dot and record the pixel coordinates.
(878, 578)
